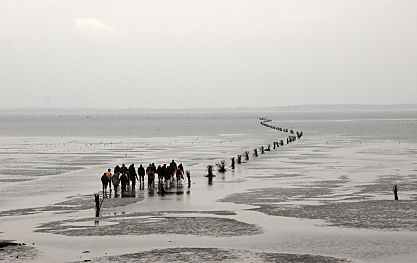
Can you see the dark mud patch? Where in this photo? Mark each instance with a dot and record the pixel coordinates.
(151, 223)
(382, 214)
(298, 258)
(14, 180)
(385, 184)
(218, 213)
(370, 214)
(14, 252)
(215, 255)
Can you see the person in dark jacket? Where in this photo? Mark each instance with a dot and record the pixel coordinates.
(123, 169)
(179, 176)
(150, 171)
(160, 174)
(124, 180)
(117, 169)
(164, 170)
(141, 173)
(169, 175)
(173, 164)
(115, 179)
(104, 181)
(132, 175)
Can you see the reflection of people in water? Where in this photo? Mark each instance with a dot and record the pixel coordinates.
(179, 175)
(161, 188)
(125, 194)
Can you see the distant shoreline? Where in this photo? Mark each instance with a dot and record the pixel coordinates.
(294, 108)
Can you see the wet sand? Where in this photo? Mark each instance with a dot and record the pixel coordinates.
(320, 199)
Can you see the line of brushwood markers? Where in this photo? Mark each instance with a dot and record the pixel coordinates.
(221, 166)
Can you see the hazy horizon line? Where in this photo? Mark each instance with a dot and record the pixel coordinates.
(298, 107)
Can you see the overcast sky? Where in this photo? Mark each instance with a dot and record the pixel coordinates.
(213, 53)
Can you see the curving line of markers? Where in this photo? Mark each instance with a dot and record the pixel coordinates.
(294, 135)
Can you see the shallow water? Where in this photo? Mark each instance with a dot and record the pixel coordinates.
(327, 194)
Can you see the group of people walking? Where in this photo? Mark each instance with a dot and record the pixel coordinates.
(126, 177)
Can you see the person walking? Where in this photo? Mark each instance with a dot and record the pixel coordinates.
(160, 174)
(109, 175)
(141, 173)
(124, 170)
(179, 176)
(104, 182)
(132, 175)
(124, 180)
(116, 181)
(150, 171)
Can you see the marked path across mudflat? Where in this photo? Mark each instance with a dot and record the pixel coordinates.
(324, 198)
